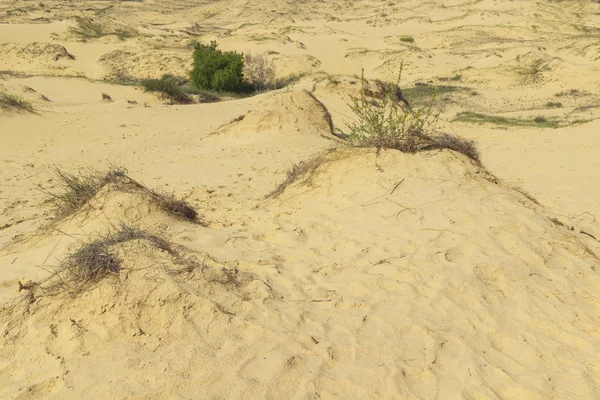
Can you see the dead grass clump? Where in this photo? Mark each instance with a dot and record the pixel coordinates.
(302, 170)
(390, 122)
(97, 260)
(77, 190)
(260, 72)
(15, 103)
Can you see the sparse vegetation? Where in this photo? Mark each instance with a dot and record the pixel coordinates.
(217, 70)
(12, 102)
(540, 122)
(406, 39)
(454, 78)
(390, 123)
(259, 71)
(553, 104)
(106, 97)
(88, 28)
(423, 92)
(532, 73)
(94, 261)
(77, 190)
(168, 88)
(304, 169)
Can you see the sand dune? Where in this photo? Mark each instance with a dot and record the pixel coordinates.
(313, 270)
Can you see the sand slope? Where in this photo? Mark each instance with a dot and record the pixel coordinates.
(370, 275)
(413, 277)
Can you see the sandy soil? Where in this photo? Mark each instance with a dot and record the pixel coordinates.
(375, 274)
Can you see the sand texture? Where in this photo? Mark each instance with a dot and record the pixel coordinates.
(312, 270)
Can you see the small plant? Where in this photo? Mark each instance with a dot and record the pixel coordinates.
(12, 102)
(106, 97)
(259, 71)
(553, 104)
(407, 39)
(168, 87)
(217, 70)
(390, 123)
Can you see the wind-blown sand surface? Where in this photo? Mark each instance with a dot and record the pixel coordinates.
(376, 274)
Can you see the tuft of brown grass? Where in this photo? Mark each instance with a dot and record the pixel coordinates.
(77, 190)
(94, 261)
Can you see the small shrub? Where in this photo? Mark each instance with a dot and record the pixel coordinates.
(217, 70)
(167, 88)
(407, 39)
(553, 104)
(106, 97)
(390, 123)
(259, 71)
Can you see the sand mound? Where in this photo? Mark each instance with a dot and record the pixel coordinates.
(35, 52)
(132, 323)
(145, 64)
(372, 276)
(285, 113)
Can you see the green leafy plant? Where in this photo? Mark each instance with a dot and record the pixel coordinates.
(217, 70)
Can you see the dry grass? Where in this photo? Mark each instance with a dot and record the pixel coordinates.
(94, 261)
(14, 103)
(305, 170)
(260, 72)
(77, 190)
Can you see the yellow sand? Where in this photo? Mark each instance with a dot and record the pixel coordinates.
(375, 275)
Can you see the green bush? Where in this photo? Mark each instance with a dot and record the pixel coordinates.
(217, 70)
(168, 87)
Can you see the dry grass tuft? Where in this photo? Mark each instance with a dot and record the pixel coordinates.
(14, 103)
(97, 260)
(77, 190)
(260, 72)
(303, 170)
